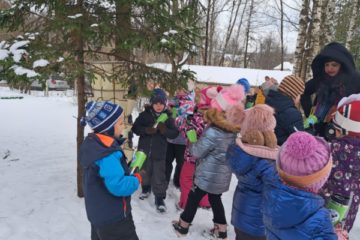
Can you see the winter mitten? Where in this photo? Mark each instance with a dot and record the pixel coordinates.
(150, 130)
(310, 121)
(138, 176)
(162, 127)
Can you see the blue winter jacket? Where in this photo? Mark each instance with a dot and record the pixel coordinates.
(251, 172)
(107, 184)
(291, 213)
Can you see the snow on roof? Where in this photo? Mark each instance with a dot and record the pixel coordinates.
(287, 66)
(227, 75)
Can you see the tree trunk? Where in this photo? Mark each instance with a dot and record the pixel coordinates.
(301, 39)
(236, 49)
(230, 28)
(206, 48)
(282, 34)
(248, 34)
(328, 19)
(81, 98)
(350, 31)
(212, 31)
(314, 39)
(123, 22)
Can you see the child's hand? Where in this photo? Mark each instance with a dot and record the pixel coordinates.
(150, 130)
(341, 233)
(162, 128)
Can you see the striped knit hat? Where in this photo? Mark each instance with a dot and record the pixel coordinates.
(101, 116)
(292, 86)
(347, 117)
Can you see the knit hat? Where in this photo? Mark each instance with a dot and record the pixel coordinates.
(347, 117)
(292, 86)
(206, 95)
(245, 83)
(186, 105)
(260, 117)
(228, 97)
(101, 116)
(158, 96)
(305, 161)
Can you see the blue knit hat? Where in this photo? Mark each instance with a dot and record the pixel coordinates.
(245, 83)
(158, 96)
(101, 116)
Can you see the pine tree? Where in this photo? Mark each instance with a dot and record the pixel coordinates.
(70, 35)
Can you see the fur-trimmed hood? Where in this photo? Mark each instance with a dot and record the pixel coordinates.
(218, 119)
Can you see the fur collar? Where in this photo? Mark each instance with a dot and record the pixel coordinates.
(218, 119)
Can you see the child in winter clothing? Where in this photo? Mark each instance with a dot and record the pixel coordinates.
(212, 174)
(344, 178)
(153, 142)
(185, 122)
(284, 101)
(176, 147)
(107, 182)
(292, 208)
(252, 161)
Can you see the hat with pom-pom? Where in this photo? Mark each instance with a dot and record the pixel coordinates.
(228, 97)
(206, 95)
(304, 161)
(245, 83)
(292, 86)
(260, 118)
(101, 116)
(347, 116)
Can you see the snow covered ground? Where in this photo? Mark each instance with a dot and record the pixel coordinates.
(38, 178)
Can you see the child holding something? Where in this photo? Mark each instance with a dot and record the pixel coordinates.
(107, 182)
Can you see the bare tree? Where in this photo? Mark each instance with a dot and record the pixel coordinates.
(350, 31)
(301, 39)
(247, 34)
(232, 20)
(328, 22)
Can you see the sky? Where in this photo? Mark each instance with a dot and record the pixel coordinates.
(38, 177)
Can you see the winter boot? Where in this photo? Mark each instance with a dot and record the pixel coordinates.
(219, 231)
(146, 190)
(160, 204)
(181, 227)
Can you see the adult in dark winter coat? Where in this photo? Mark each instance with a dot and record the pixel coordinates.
(153, 141)
(334, 77)
(284, 101)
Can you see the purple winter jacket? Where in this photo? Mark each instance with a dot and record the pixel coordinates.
(345, 174)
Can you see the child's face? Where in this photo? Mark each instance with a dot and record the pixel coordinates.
(332, 68)
(158, 107)
(119, 126)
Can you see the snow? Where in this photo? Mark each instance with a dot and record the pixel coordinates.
(75, 16)
(18, 53)
(228, 75)
(4, 54)
(40, 63)
(94, 25)
(38, 178)
(19, 70)
(286, 66)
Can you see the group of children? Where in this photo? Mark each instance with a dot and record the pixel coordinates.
(286, 176)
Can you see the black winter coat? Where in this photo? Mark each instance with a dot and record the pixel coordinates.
(288, 117)
(153, 145)
(350, 77)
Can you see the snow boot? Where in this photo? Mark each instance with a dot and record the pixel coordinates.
(181, 227)
(146, 190)
(160, 204)
(219, 231)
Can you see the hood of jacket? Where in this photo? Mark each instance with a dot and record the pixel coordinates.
(279, 101)
(298, 205)
(334, 51)
(218, 119)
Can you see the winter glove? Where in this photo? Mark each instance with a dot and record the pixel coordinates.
(310, 121)
(191, 135)
(150, 130)
(341, 233)
(162, 128)
(138, 176)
